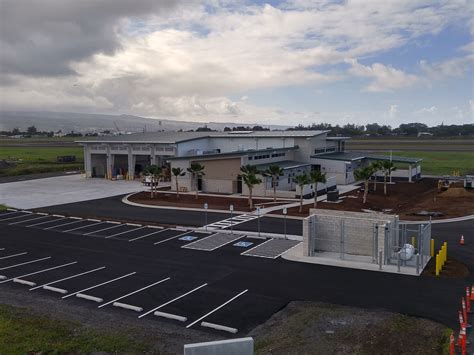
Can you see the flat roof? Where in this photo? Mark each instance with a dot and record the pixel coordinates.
(172, 137)
(337, 138)
(237, 153)
(354, 156)
(285, 164)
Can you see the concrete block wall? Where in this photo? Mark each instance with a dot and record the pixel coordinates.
(358, 231)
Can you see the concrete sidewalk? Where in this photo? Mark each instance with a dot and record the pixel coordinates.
(62, 189)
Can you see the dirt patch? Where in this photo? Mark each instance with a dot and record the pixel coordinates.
(319, 328)
(451, 269)
(404, 199)
(214, 202)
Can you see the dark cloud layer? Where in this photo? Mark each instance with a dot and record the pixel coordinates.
(42, 38)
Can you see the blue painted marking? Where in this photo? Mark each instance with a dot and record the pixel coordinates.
(243, 244)
(188, 238)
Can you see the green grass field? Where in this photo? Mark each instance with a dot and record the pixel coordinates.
(23, 332)
(442, 163)
(32, 160)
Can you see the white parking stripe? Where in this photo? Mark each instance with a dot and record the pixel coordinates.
(8, 213)
(10, 218)
(64, 224)
(67, 278)
(28, 220)
(58, 215)
(131, 293)
(40, 271)
(175, 299)
(37, 224)
(28, 262)
(176, 236)
(104, 229)
(13, 255)
(147, 235)
(132, 230)
(101, 284)
(216, 309)
(77, 228)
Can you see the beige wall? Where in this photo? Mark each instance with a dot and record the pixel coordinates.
(220, 175)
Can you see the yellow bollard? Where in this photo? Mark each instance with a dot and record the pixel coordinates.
(413, 241)
(442, 256)
(432, 247)
(445, 251)
(437, 265)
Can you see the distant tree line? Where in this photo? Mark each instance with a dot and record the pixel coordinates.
(32, 131)
(405, 129)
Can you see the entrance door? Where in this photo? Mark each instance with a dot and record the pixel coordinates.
(239, 184)
(199, 183)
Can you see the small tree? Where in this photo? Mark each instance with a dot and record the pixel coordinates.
(376, 166)
(274, 171)
(250, 179)
(154, 172)
(176, 173)
(301, 180)
(196, 170)
(316, 176)
(364, 174)
(387, 167)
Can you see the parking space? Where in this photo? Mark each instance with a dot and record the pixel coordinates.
(54, 220)
(214, 241)
(139, 234)
(15, 216)
(252, 309)
(152, 298)
(200, 304)
(122, 229)
(73, 225)
(86, 282)
(90, 228)
(271, 248)
(32, 218)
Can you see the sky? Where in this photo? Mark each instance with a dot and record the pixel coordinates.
(277, 62)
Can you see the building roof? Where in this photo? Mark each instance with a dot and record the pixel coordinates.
(354, 156)
(171, 137)
(237, 153)
(286, 164)
(337, 138)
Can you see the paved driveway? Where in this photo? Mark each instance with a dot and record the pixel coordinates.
(60, 190)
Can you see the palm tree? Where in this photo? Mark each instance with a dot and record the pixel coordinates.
(196, 170)
(250, 179)
(376, 166)
(154, 171)
(315, 177)
(274, 171)
(176, 173)
(387, 167)
(364, 174)
(301, 180)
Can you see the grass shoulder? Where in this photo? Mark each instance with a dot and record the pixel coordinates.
(23, 331)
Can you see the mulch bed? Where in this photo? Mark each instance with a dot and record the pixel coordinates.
(451, 269)
(190, 201)
(404, 199)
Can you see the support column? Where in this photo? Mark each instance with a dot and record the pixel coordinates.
(131, 164)
(110, 163)
(87, 161)
(152, 155)
(409, 173)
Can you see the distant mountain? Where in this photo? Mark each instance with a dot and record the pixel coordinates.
(85, 122)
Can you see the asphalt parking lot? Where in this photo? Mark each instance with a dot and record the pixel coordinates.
(195, 279)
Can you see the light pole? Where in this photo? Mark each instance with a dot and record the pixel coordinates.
(284, 220)
(231, 208)
(258, 220)
(205, 215)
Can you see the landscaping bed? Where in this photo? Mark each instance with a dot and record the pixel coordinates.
(214, 202)
(404, 199)
(321, 328)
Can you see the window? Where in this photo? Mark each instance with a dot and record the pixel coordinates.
(318, 151)
(264, 156)
(275, 155)
(250, 158)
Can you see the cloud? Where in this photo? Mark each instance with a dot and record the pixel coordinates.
(185, 59)
(393, 111)
(43, 37)
(451, 68)
(383, 78)
(427, 110)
